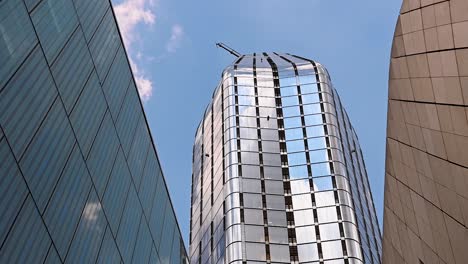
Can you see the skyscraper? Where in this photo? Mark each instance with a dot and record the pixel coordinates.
(80, 180)
(426, 176)
(278, 174)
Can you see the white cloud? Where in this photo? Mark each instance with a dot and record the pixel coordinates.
(144, 85)
(177, 34)
(131, 13)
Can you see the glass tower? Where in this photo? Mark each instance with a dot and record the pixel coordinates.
(80, 180)
(278, 174)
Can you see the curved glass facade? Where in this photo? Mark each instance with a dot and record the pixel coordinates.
(278, 174)
(80, 180)
(426, 174)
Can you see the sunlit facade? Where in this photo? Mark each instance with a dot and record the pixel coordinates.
(80, 180)
(426, 172)
(278, 174)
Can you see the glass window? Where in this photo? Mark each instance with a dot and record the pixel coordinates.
(324, 198)
(311, 120)
(274, 187)
(271, 159)
(116, 192)
(291, 111)
(252, 200)
(310, 98)
(279, 253)
(138, 152)
(305, 234)
(254, 233)
(315, 131)
(275, 202)
(308, 252)
(309, 88)
(275, 173)
(320, 169)
(268, 122)
(245, 90)
(53, 143)
(255, 251)
(89, 234)
(270, 146)
(310, 109)
(307, 79)
(250, 133)
(248, 81)
(151, 176)
(24, 102)
(292, 134)
(297, 158)
(295, 146)
(17, 38)
(88, 113)
(102, 155)
(292, 122)
(318, 155)
(300, 186)
(304, 217)
(249, 171)
(276, 218)
(251, 185)
(250, 158)
(302, 201)
(289, 81)
(167, 234)
(266, 101)
(278, 235)
(14, 189)
(265, 91)
(297, 172)
(68, 200)
(247, 110)
(252, 216)
(104, 45)
(288, 91)
(143, 244)
(74, 56)
(249, 145)
(54, 22)
(108, 250)
(332, 249)
(27, 234)
(154, 258)
(289, 101)
(316, 143)
(329, 231)
(128, 119)
(246, 100)
(323, 184)
(90, 14)
(327, 214)
(247, 121)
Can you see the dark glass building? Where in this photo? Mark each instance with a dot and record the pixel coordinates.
(80, 180)
(278, 173)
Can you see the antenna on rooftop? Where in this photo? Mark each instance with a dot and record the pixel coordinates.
(228, 49)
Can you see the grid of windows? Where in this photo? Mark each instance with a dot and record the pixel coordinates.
(278, 175)
(80, 177)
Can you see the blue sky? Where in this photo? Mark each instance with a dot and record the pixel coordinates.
(177, 66)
